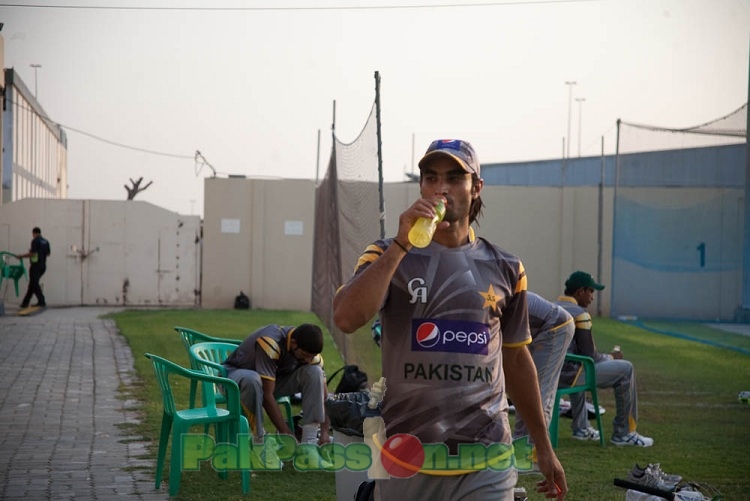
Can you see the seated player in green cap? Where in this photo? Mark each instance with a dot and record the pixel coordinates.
(612, 371)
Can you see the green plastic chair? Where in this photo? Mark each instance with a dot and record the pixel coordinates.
(209, 357)
(231, 424)
(590, 386)
(192, 336)
(11, 271)
(189, 338)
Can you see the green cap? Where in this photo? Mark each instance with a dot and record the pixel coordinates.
(580, 279)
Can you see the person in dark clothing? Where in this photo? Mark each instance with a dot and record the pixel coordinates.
(37, 254)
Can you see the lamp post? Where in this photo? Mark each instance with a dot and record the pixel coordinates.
(570, 84)
(580, 101)
(36, 67)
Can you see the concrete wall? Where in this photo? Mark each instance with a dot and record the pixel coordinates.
(554, 231)
(258, 236)
(107, 252)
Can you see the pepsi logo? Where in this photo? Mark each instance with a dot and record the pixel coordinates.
(428, 335)
(454, 336)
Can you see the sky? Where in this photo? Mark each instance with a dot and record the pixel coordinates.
(252, 84)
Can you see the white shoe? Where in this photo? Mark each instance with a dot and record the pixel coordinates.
(586, 434)
(633, 438)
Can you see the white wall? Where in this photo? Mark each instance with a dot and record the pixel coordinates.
(258, 236)
(554, 232)
(107, 252)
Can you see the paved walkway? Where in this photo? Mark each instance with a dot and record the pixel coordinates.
(61, 434)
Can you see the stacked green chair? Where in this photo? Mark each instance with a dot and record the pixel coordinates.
(192, 336)
(189, 337)
(590, 385)
(209, 361)
(231, 424)
(209, 357)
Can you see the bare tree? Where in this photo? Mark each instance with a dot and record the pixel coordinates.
(136, 188)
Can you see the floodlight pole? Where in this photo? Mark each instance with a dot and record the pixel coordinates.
(36, 67)
(412, 152)
(580, 101)
(600, 231)
(570, 84)
(612, 297)
(317, 161)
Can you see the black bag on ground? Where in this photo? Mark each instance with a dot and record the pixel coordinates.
(242, 302)
(347, 411)
(352, 379)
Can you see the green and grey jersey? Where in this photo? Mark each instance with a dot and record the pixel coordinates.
(582, 343)
(267, 351)
(544, 315)
(445, 318)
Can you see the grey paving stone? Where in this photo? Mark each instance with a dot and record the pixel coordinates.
(60, 413)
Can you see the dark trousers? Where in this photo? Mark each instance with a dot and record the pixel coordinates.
(35, 273)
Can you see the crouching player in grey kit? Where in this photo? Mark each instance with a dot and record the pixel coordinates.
(455, 330)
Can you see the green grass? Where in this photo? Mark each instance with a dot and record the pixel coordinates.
(687, 396)
(687, 403)
(152, 332)
(699, 333)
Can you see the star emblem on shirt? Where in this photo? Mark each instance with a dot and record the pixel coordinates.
(490, 298)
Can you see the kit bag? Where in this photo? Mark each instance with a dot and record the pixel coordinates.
(352, 379)
(242, 302)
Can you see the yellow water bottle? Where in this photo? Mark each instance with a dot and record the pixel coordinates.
(420, 235)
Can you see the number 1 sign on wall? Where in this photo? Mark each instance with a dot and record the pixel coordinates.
(702, 252)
